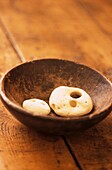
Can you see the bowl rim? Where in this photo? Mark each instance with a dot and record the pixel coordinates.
(59, 118)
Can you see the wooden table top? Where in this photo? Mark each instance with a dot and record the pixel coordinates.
(78, 30)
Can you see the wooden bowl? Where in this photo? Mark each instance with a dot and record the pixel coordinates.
(37, 79)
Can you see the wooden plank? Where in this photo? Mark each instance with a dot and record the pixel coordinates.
(6, 55)
(8, 58)
(58, 29)
(20, 147)
(65, 29)
(2, 165)
(93, 148)
(101, 12)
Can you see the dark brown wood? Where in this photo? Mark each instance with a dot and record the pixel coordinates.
(39, 78)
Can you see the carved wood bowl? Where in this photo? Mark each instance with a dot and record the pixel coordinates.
(37, 79)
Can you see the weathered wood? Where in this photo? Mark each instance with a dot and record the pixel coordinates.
(20, 147)
(72, 30)
(58, 29)
(8, 58)
(93, 149)
(101, 14)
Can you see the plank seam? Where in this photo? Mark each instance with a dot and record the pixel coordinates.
(72, 153)
(12, 41)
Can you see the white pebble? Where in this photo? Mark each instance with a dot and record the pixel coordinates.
(70, 101)
(36, 107)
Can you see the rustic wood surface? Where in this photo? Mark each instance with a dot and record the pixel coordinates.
(20, 147)
(78, 30)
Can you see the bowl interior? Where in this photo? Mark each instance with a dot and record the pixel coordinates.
(37, 79)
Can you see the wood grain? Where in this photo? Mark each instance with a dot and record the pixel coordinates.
(20, 147)
(6, 55)
(71, 29)
(93, 149)
(101, 14)
(57, 30)
(8, 58)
